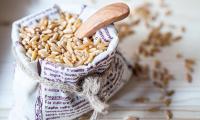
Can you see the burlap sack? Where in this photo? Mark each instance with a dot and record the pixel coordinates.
(49, 91)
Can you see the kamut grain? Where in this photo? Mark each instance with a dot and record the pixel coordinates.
(154, 109)
(189, 77)
(141, 100)
(131, 118)
(169, 114)
(54, 40)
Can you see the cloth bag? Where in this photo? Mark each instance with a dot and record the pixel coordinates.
(52, 91)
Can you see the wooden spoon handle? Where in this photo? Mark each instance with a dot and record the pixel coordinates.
(103, 17)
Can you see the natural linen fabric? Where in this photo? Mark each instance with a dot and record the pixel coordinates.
(51, 91)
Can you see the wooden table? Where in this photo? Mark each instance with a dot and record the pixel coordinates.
(186, 101)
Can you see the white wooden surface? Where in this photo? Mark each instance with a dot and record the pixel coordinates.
(186, 101)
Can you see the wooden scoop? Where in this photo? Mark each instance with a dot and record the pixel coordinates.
(103, 17)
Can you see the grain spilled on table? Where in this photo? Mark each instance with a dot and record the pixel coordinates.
(153, 44)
